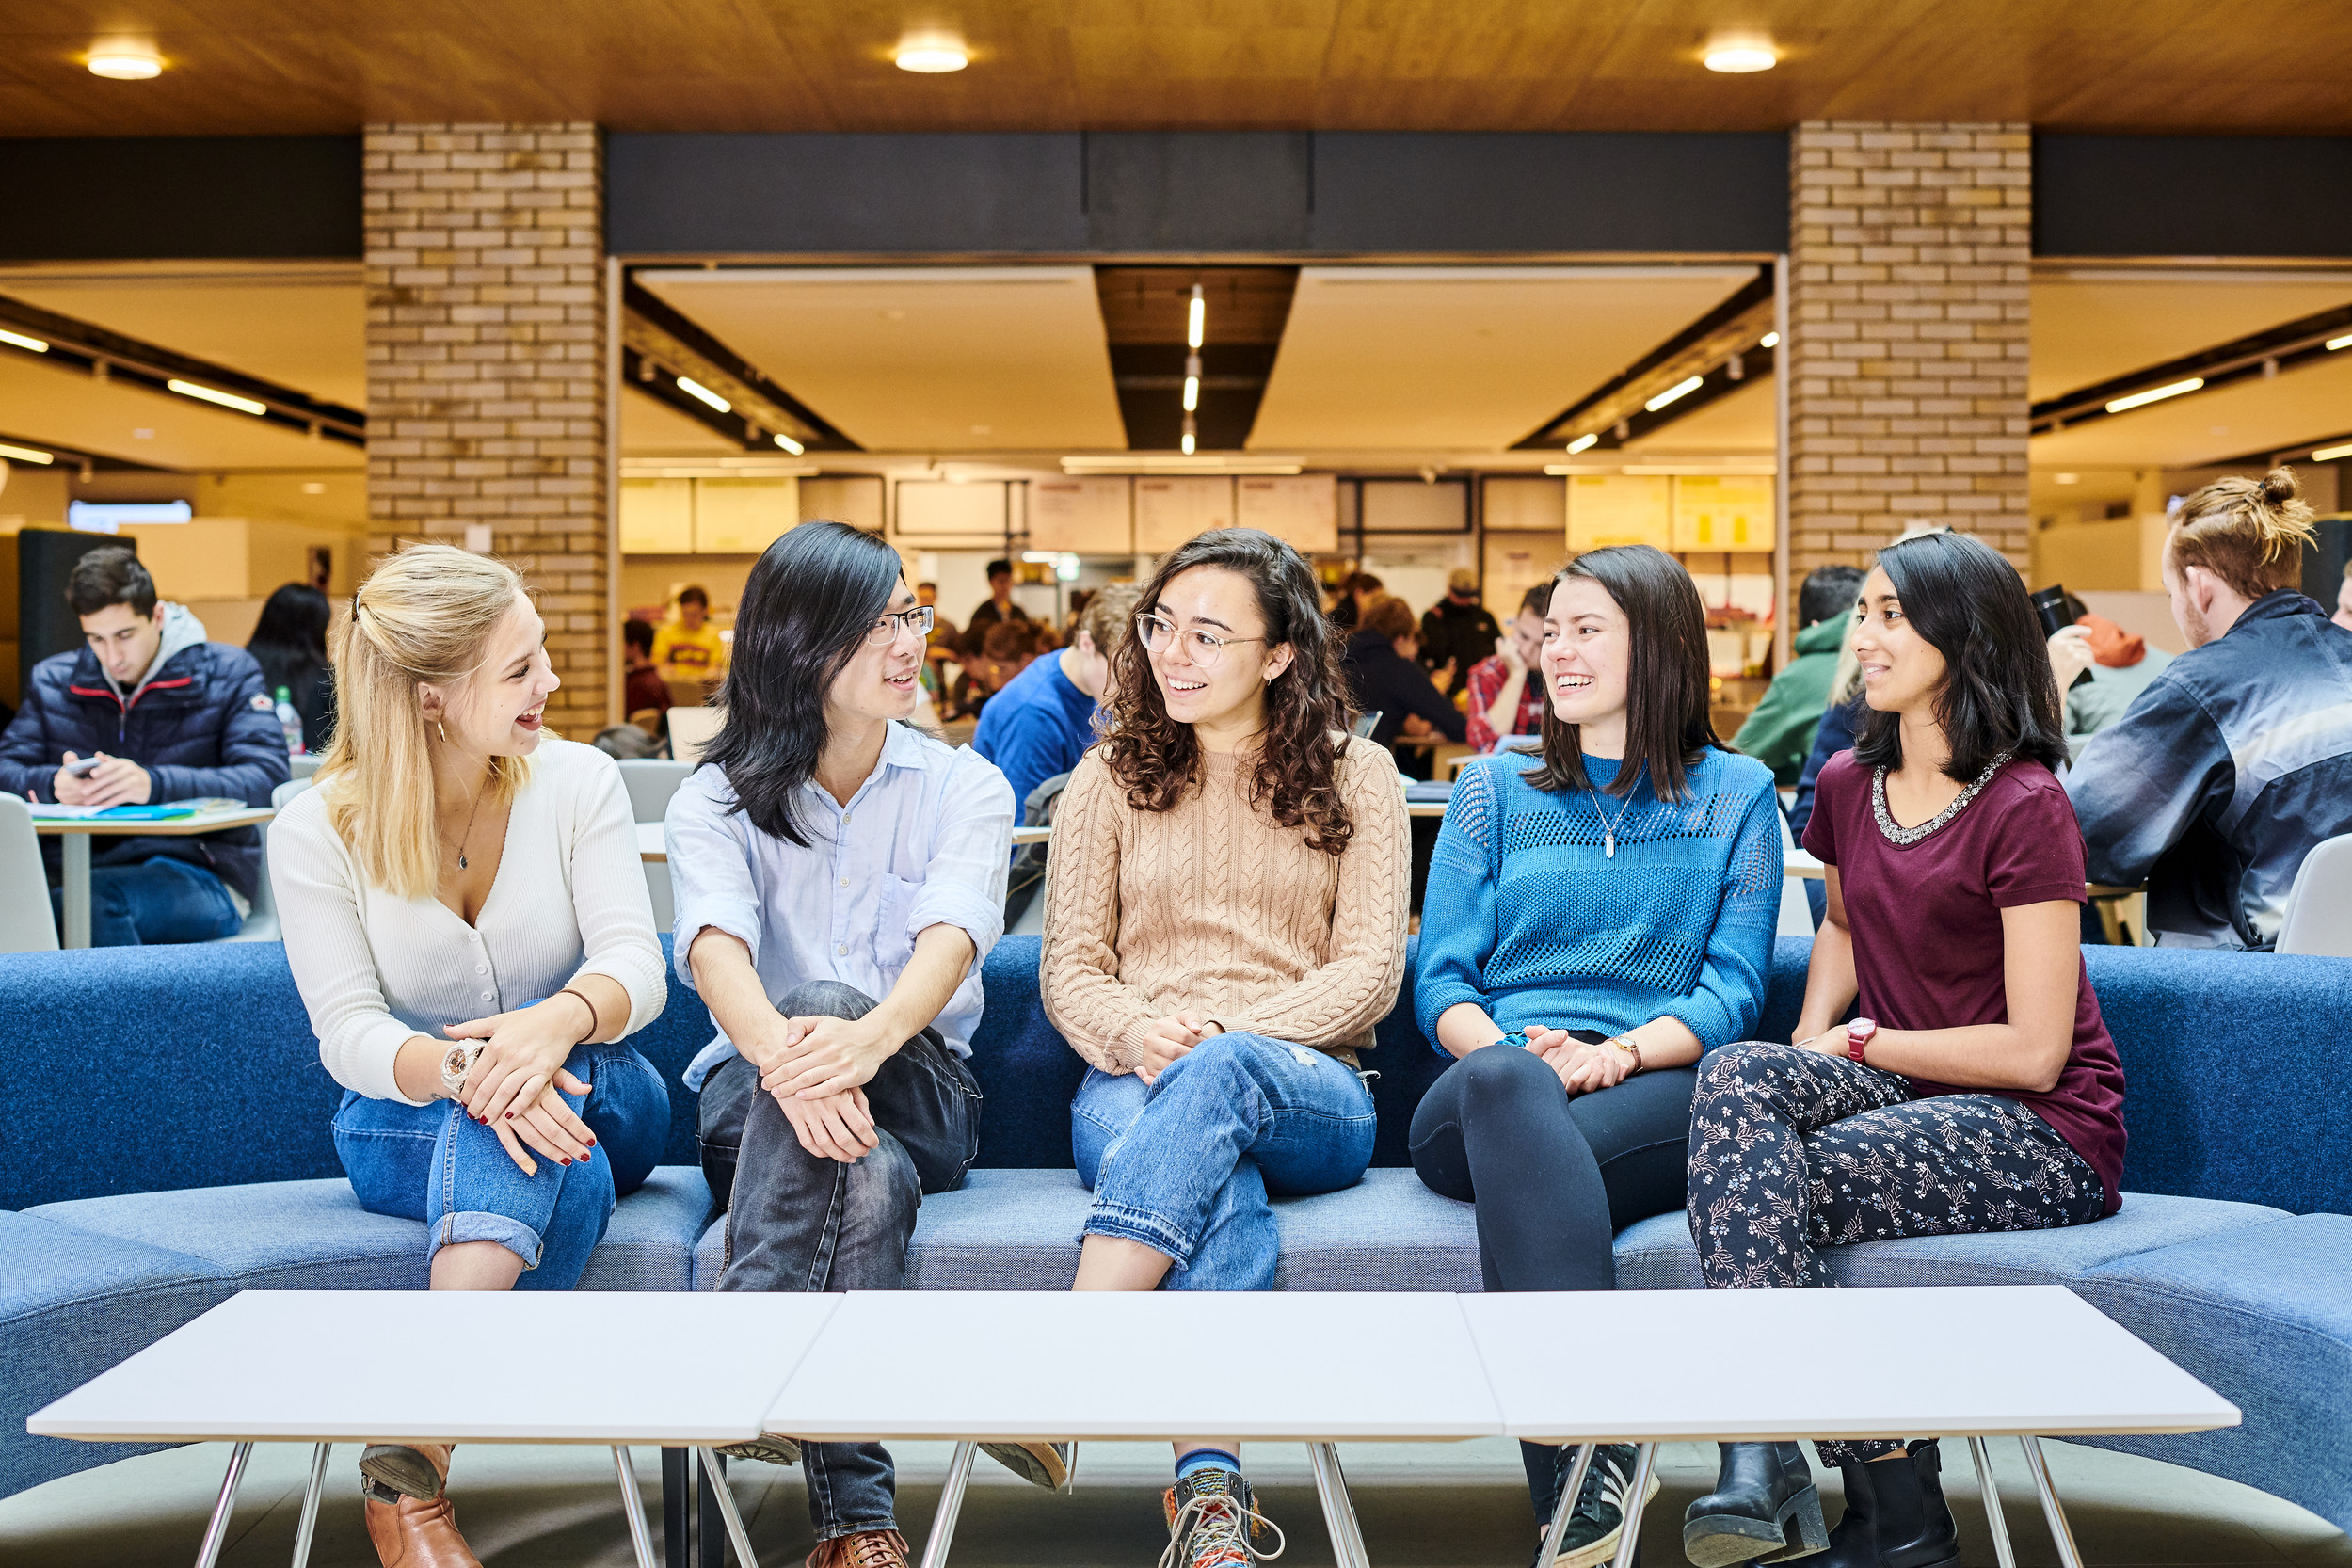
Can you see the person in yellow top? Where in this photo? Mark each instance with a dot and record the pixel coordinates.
(689, 648)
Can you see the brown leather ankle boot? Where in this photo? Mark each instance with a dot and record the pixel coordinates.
(414, 1532)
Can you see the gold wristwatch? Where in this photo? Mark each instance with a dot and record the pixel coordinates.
(457, 1064)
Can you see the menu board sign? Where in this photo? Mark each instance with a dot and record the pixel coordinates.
(1084, 515)
(1301, 510)
(1618, 508)
(1170, 511)
(1727, 511)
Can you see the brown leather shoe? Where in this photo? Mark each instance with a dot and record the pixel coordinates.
(863, 1549)
(414, 1532)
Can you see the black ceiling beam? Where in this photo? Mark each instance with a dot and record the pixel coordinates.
(1563, 426)
(1714, 385)
(73, 457)
(815, 433)
(2263, 353)
(81, 345)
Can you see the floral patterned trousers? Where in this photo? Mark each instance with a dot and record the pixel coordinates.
(1792, 1151)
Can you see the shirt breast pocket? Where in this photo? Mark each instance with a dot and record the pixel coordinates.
(893, 942)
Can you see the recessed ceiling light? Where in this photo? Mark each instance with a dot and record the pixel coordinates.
(1583, 443)
(2066, 478)
(2156, 394)
(210, 394)
(123, 59)
(696, 389)
(2330, 453)
(789, 444)
(2335, 344)
(931, 54)
(18, 339)
(1770, 340)
(1679, 389)
(1737, 54)
(26, 455)
(314, 488)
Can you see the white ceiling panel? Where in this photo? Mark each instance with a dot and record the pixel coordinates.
(1737, 422)
(922, 358)
(300, 325)
(71, 409)
(1464, 358)
(2091, 325)
(2253, 415)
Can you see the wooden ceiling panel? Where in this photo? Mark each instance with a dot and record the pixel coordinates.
(308, 66)
(2296, 406)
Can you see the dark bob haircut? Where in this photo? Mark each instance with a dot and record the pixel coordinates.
(804, 612)
(1998, 695)
(1667, 726)
(1296, 776)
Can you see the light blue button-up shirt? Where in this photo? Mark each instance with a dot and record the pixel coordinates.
(924, 841)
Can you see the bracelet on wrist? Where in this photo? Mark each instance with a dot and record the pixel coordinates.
(594, 1021)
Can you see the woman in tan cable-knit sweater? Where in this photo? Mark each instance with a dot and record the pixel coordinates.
(1225, 924)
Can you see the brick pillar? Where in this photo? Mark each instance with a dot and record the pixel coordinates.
(1907, 301)
(486, 345)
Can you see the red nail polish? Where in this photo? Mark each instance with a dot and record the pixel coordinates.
(567, 1162)
(510, 1115)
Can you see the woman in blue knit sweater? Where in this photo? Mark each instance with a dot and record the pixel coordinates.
(1592, 924)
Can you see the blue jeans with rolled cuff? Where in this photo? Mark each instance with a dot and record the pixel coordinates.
(1185, 1165)
(435, 1163)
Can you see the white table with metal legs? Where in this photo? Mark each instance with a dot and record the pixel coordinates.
(324, 1366)
(991, 1366)
(73, 835)
(1756, 1366)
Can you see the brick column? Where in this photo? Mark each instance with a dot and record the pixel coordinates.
(1907, 299)
(486, 346)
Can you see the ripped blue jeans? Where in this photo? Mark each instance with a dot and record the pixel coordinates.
(1184, 1165)
(434, 1163)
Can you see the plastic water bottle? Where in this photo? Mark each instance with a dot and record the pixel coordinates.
(290, 721)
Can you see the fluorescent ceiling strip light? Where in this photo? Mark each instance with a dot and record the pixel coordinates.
(34, 346)
(26, 455)
(2325, 454)
(2155, 394)
(1679, 389)
(1770, 340)
(2333, 343)
(1191, 394)
(694, 389)
(227, 400)
(1195, 319)
(1584, 443)
(789, 444)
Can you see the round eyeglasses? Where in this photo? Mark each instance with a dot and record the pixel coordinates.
(1205, 648)
(919, 620)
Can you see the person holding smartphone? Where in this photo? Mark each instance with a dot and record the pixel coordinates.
(467, 920)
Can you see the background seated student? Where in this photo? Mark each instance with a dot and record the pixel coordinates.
(165, 716)
(1780, 732)
(1224, 925)
(289, 642)
(1456, 633)
(2120, 664)
(690, 647)
(1043, 720)
(1594, 920)
(2235, 761)
(1507, 699)
(1977, 1092)
(468, 923)
(840, 878)
(643, 691)
(1385, 677)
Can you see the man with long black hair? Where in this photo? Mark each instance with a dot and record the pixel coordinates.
(840, 879)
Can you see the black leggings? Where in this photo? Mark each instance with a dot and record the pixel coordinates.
(1554, 1178)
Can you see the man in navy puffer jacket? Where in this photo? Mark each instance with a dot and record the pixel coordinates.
(172, 717)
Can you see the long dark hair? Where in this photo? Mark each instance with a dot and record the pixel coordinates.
(806, 608)
(1667, 726)
(1296, 776)
(290, 639)
(1998, 694)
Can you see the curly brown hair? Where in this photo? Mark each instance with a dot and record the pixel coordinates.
(1308, 711)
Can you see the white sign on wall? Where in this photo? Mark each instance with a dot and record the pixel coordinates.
(1302, 509)
(1170, 511)
(1086, 516)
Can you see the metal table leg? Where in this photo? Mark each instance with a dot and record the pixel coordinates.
(1629, 1536)
(74, 851)
(218, 1530)
(951, 1503)
(1331, 1485)
(1990, 1491)
(633, 1506)
(1568, 1496)
(735, 1531)
(311, 1495)
(2051, 1512)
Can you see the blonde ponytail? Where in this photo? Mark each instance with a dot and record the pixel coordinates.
(2250, 532)
(424, 616)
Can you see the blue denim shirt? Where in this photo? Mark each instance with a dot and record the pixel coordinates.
(2223, 773)
(923, 842)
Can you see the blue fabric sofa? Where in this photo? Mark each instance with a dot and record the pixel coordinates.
(163, 1143)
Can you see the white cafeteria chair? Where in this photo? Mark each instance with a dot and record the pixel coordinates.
(1795, 911)
(2319, 905)
(27, 924)
(650, 781)
(260, 924)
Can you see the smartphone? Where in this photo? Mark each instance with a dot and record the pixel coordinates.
(83, 768)
(2050, 604)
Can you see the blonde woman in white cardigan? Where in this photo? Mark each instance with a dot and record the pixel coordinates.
(467, 923)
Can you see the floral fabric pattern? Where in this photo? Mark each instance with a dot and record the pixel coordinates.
(1792, 1151)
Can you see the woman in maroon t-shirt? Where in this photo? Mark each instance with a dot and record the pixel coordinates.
(1978, 1090)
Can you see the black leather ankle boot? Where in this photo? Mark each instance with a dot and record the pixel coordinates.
(1895, 1516)
(1764, 1505)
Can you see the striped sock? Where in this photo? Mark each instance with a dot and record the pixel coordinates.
(1206, 1459)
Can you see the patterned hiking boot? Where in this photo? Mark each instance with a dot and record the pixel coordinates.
(1213, 1521)
(767, 1447)
(1599, 1517)
(1045, 1464)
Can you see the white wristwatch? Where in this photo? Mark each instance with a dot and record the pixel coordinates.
(457, 1064)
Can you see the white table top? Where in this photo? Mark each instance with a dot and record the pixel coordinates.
(1729, 1365)
(312, 1366)
(996, 1365)
(169, 827)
